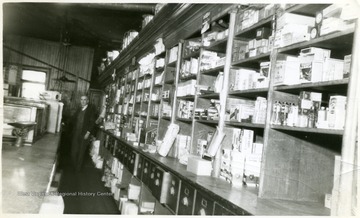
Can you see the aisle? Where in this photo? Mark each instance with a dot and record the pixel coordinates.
(85, 190)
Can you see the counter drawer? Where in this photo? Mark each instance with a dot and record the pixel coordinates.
(186, 200)
(133, 158)
(204, 205)
(159, 185)
(220, 210)
(172, 193)
(139, 167)
(146, 172)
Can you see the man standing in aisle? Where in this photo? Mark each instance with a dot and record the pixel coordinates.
(83, 125)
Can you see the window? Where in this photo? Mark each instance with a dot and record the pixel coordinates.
(33, 83)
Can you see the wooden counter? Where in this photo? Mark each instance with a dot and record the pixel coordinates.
(26, 174)
(239, 200)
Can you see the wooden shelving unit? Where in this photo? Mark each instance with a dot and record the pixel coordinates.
(297, 163)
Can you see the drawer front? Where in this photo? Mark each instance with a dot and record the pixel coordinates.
(106, 144)
(152, 174)
(132, 159)
(125, 157)
(172, 193)
(146, 172)
(186, 200)
(161, 184)
(121, 153)
(222, 211)
(203, 205)
(139, 167)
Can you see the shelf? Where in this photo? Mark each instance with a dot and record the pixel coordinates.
(253, 61)
(217, 46)
(191, 76)
(165, 118)
(143, 116)
(157, 86)
(161, 54)
(339, 86)
(308, 10)
(250, 32)
(172, 64)
(250, 92)
(155, 101)
(209, 122)
(171, 81)
(214, 71)
(145, 102)
(185, 120)
(166, 99)
(241, 124)
(154, 117)
(188, 97)
(210, 96)
(341, 42)
(192, 54)
(308, 130)
(160, 69)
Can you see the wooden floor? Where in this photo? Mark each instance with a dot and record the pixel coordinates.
(85, 190)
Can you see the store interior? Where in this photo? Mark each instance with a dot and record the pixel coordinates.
(190, 109)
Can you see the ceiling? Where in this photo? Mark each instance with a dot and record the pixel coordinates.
(97, 25)
(86, 24)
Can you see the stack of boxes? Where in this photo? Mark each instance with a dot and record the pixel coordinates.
(308, 112)
(312, 65)
(166, 109)
(245, 79)
(260, 111)
(241, 164)
(240, 110)
(210, 60)
(186, 88)
(293, 28)
(185, 109)
(189, 67)
(332, 19)
(173, 53)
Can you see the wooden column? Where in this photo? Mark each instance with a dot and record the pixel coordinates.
(346, 194)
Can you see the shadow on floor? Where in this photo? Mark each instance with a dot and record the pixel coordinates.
(84, 192)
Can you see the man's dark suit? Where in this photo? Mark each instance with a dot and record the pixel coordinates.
(83, 121)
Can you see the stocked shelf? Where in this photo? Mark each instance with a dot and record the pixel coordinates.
(192, 54)
(214, 71)
(210, 96)
(217, 46)
(341, 42)
(188, 97)
(185, 120)
(309, 130)
(248, 125)
(250, 93)
(252, 61)
(251, 31)
(339, 86)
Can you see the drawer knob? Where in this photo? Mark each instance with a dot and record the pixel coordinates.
(185, 201)
(172, 191)
(152, 175)
(157, 182)
(145, 170)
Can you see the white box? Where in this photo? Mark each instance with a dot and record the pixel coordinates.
(327, 201)
(287, 73)
(316, 54)
(333, 69)
(289, 18)
(199, 166)
(347, 66)
(311, 71)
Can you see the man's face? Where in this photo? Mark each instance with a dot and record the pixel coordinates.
(84, 101)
